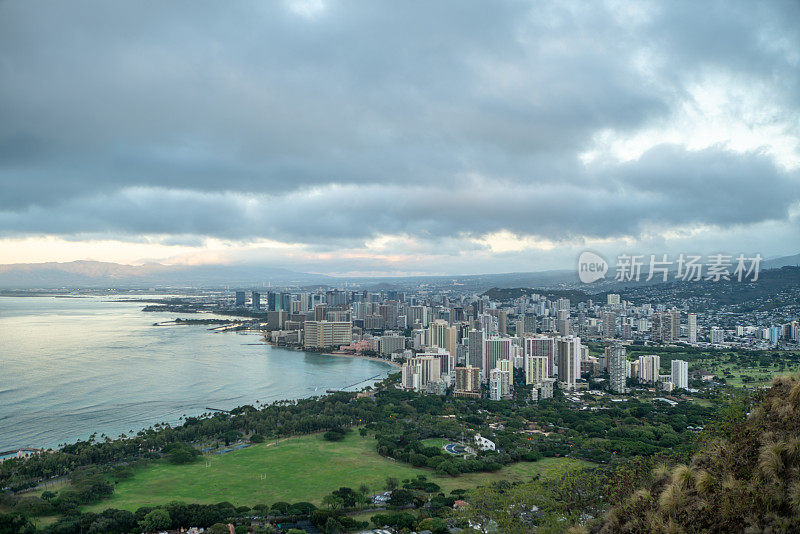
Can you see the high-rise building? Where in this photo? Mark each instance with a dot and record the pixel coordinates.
(675, 324)
(661, 329)
(626, 330)
(649, 367)
(494, 350)
(428, 368)
(617, 368)
(255, 298)
(286, 302)
(542, 346)
(390, 344)
(417, 314)
(475, 348)
(446, 361)
(680, 374)
(486, 323)
(240, 299)
(276, 319)
(507, 365)
(717, 335)
(442, 335)
(519, 326)
(544, 389)
(692, 325)
(613, 299)
(568, 350)
(467, 379)
(499, 384)
(774, 335)
(320, 312)
(531, 325)
(609, 325)
(321, 334)
(537, 368)
(563, 326)
(389, 313)
(409, 376)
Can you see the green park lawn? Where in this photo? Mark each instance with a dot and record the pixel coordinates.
(304, 468)
(436, 442)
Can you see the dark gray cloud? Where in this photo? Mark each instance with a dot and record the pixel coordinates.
(249, 120)
(667, 187)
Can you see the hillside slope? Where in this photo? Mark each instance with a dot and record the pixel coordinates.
(748, 481)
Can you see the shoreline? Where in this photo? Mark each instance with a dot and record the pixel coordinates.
(342, 354)
(371, 358)
(57, 431)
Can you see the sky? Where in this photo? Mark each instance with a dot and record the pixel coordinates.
(375, 138)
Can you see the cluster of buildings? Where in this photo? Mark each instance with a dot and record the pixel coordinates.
(646, 369)
(477, 346)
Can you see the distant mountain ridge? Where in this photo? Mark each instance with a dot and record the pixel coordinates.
(97, 274)
(86, 273)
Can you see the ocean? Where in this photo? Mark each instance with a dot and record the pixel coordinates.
(71, 367)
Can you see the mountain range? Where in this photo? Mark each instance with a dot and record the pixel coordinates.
(95, 274)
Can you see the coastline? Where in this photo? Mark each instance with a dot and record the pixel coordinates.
(31, 425)
(343, 354)
(371, 358)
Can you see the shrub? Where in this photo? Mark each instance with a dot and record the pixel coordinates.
(333, 435)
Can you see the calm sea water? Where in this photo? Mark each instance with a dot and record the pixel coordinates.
(73, 366)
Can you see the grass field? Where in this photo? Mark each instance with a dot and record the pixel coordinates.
(304, 468)
(722, 364)
(436, 442)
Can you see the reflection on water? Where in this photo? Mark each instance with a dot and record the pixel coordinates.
(71, 367)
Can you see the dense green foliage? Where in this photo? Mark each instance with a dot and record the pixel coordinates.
(746, 477)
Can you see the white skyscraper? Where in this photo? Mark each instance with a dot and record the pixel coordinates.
(680, 374)
(537, 368)
(507, 365)
(446, 360)
(649, 366)
(717, 335)
(499, 387)
(692, 322)
(442, 335)
(427, 368)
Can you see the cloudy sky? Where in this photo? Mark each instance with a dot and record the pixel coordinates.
(405, 137)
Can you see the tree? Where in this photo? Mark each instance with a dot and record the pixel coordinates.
(334, 502)
(156, 521)
(15, 524)
(391, 483)
(401, 497)
(333, 435)
(332, 526)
